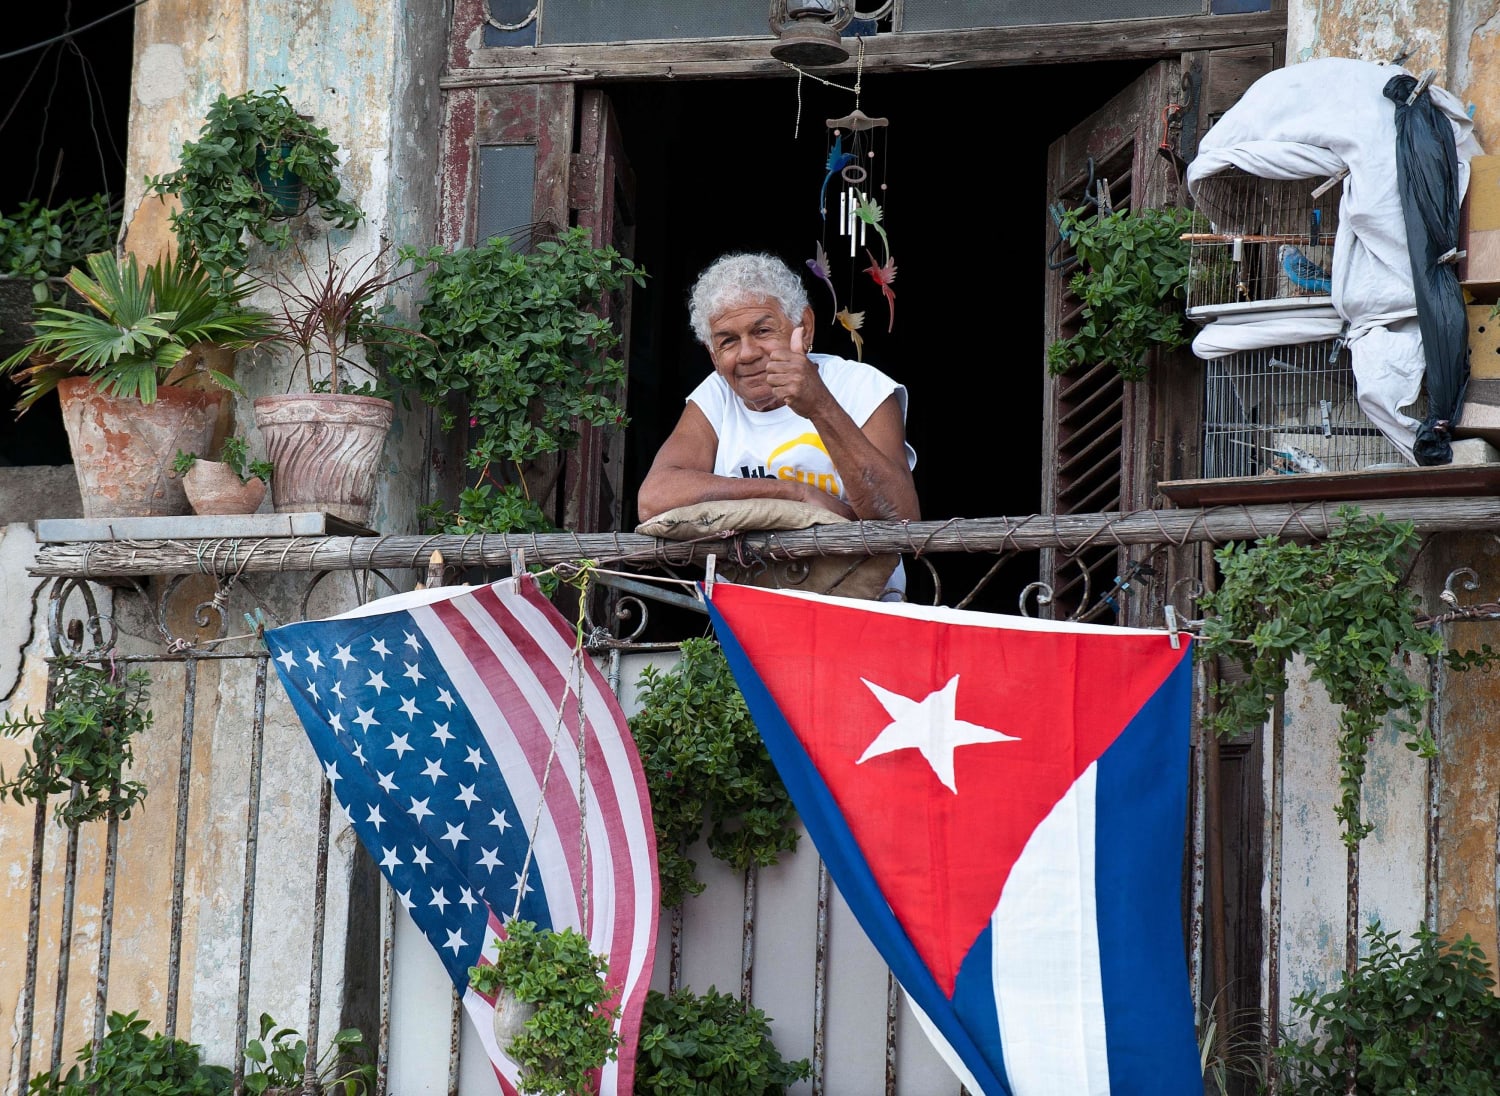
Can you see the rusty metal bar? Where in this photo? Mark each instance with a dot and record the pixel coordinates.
(252, 848)
(106, 927)
(1434, 786)
(320, 916)
(1195, 849)
(1273, 899)
(387, 967)
(179, 847)
(674, 969)
(33, 932)
(892, 1000)
(820, 981)
(747, 938)
(65, 943)
(1351, 950)
(455, 1039)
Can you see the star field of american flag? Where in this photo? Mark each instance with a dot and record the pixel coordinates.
(447, 724)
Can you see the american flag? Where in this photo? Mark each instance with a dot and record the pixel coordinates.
(447, 723)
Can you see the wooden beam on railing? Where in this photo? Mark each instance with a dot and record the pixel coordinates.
(1069, 532)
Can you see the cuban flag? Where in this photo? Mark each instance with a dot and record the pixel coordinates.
(447, 722)
(1002, 802)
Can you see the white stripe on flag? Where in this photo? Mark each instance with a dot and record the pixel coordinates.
(1048, 989)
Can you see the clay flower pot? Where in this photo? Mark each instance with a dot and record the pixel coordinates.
(510, 1016)
(123, 448)
(213, 487)
(326, 450)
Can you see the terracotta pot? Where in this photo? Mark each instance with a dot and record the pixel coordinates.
(123, 448)
(213, 487)
(326, 450)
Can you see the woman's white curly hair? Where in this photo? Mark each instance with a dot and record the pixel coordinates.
(743, 278)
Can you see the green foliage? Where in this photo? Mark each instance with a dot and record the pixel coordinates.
(572, 1032)
(1232, 1054)
(278, 1061)
(1342, 606)
(143, 327)
(235, 452)
(1131, 278)
(1417, 1020)
(519, 338)
(85, 738)
(483, 509)
(247, 142)
(706, 765)
(38, 242)
(130, 1061)
(712, 1045)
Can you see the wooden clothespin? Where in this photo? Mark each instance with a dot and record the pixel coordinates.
(1171, 615)
(517, 561)
(708, 575)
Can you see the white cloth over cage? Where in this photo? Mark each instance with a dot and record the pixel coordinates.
(1312, 121)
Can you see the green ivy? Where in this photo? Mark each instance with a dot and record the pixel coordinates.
(1132, 272)
(1341, 605)
(86, 737)
(39, 242)
(483, 509)
(713, 1045)
(572, 1032)
(131, 1061)
(1418, 1020)
(518, 337)
(247, 141)
(278, 1061)
(707, 766)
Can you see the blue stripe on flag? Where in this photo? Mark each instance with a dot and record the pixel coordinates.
(1141, 819)
(848, 867)
(974, 996)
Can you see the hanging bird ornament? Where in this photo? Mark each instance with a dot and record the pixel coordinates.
(884, 276)
(838, 160)
(852, 322)
(818, 264)
(868, 211)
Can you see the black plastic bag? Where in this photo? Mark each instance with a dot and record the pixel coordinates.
(1427, 178)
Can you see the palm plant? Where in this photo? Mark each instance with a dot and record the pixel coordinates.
(141, 333)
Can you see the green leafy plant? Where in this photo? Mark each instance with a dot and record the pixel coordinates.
(144, 329)
(131, 1061)
(1231, 1053)
(40, 243)
(707, 766)
(85, 738)
(521, 338)
(1133, 267)
(1341, 605)
(1422, 1019)
(227, 180)
(484, 509)
(713, 1045)
(572, 1032)
(325, 309)
(278, 1063)
(235, 452)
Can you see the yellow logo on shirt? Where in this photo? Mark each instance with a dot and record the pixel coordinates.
(789, 460)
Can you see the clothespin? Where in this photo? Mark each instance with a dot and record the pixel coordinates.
(256, 622)
(1172, 636)
(708, 575)
(517, 561)
(1427, 78)
(1329, 183)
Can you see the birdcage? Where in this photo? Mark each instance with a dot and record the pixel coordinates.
(1260, 243)
(1289, 410)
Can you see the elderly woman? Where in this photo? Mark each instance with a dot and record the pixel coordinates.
(775, 420)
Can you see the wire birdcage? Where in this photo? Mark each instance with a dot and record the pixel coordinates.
(1260, 243)
(1290, 410)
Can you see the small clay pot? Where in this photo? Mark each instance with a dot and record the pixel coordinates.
(510, 1016)
(215, 488)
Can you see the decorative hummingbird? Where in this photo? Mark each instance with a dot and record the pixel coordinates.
(852, 322)
(838, 159)
(884, 276)
(818, 264)
(868, 211)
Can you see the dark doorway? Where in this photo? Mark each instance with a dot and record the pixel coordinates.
(64, 114)
(726, 166)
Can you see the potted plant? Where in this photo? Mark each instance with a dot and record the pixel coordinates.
(84, 741)
(279, 1064)
(256, 162)
(569, 1032)
(326, 441)
(130, 372)
(1133, 268)
(39, 244)
(129, 1060)
(710, 1045)
(522, 339)
(233, 484)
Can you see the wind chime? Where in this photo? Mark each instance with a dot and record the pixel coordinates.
(857, 158)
